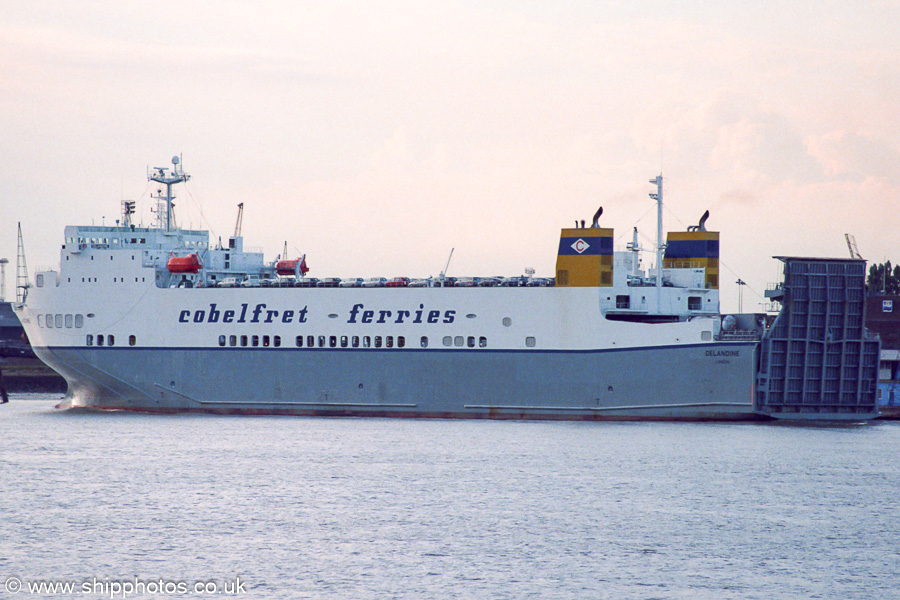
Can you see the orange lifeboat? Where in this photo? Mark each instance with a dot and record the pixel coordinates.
(184, 264)
(287, 268)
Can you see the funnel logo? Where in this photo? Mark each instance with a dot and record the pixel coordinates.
(580, 246)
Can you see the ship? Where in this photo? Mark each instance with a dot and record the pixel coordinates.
(161, 319)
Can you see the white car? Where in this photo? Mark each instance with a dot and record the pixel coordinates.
(228, 282)
(351, 282)
(374, 282)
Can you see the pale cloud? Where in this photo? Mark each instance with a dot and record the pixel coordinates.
(849, 155)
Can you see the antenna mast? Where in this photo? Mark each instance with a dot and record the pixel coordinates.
(164, 215)
(658, 196)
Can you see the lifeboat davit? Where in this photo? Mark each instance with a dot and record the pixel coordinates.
(184, 264)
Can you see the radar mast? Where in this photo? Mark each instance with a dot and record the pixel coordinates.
(165, 217)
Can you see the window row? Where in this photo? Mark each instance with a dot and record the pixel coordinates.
(354, 341)
(108, 340)
(60, 321)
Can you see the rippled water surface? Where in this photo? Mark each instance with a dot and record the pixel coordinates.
(388, 508)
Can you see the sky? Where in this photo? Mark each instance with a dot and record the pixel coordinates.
(375, 136)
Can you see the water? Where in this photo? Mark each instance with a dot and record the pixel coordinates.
(383, 508)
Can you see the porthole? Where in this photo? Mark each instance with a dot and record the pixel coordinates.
(424, 341)
(299, 341)
(221, 340)
(459, 341)
(132, 340)
(448, 341)
(470, 341)
(482, 342)
(507, 321)
(277, 340)
(401, 341)
(530, 341)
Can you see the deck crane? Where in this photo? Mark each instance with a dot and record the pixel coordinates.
(240, 220)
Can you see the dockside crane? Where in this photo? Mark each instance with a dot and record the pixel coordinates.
(851, 245)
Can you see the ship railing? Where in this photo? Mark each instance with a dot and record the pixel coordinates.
(739, 336)
(683, 264)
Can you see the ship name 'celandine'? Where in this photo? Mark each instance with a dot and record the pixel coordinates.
(359, 314)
